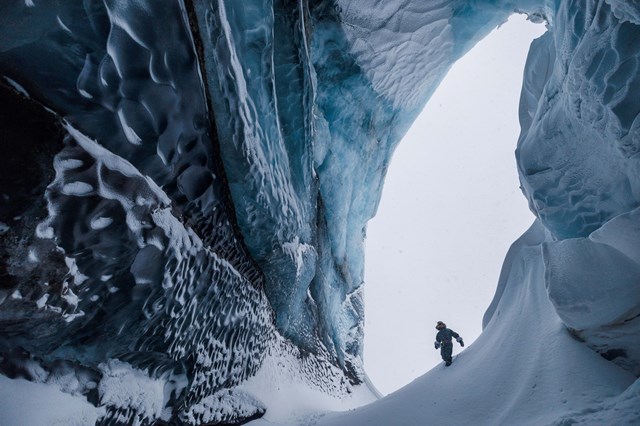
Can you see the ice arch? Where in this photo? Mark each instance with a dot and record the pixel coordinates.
(450, 208)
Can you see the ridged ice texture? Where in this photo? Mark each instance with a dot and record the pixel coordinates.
(310, 102)
(578, 157)
(375, 65)
(579, 164)
(259, 84)
(405, 47)
(133, 84)
(140, 256)
(150, 268)
(305, 168)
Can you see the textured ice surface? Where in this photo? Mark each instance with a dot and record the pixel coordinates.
(578, 154)
(140, 258)
(124, 388)
(258, 81)
(187, 183)
(580, 170)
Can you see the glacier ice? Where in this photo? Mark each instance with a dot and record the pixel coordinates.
(186, 186)
(141, 257)
(578, 164)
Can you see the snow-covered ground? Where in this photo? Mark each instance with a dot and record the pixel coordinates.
(525, 369)
(37, 404)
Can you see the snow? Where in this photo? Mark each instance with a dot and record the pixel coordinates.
(131, 134)
(590, 284)
(77, 188)
(296, 251)
(16, 85)
(70, 297)
(43, 231)
(78, 277)
(223, 404)
(291, 396)
(525, 368)
(100, 222)
(36, 404)
(273, 248)
(71, 317)
(33, 257)
(129, 388)
(68, 163)
(113, 162)
(40, 303)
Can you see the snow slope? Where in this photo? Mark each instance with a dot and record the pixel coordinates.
(525, 369)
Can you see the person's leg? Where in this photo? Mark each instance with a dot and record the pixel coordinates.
(447, 351)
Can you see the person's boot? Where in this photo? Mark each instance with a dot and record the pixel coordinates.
(447, 363)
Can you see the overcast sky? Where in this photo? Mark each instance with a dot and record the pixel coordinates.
(450, 209)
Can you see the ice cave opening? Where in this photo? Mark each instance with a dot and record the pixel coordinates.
(468, 207)
(187, 186)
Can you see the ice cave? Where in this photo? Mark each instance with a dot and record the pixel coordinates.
(186, 186)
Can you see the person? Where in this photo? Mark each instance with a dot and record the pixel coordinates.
(444, 342)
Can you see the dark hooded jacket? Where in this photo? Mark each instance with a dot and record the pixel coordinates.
(445, 336)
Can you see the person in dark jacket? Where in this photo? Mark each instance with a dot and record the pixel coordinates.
(444, 342)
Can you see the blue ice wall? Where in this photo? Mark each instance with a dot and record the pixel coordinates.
(199, 175)
(259, 83)
(579, 167)
(135, 232)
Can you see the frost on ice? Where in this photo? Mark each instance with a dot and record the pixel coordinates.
(186, 187)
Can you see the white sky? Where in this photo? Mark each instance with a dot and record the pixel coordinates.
(450, 209)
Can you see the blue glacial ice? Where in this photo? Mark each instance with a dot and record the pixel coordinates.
(187, 183)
